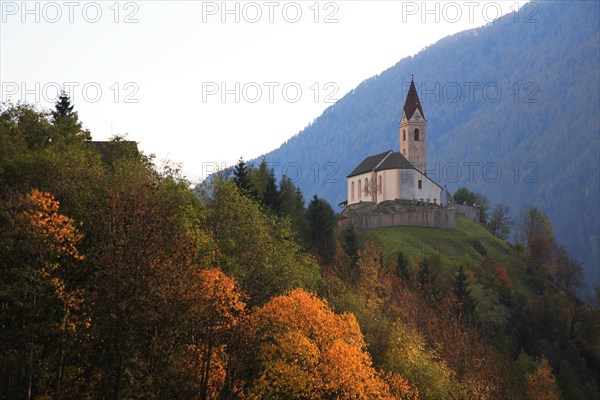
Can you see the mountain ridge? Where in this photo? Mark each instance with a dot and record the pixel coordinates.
(540, 135)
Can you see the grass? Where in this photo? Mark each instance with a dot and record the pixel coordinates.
(468, 244)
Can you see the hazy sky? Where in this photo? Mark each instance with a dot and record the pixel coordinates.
(202, 82)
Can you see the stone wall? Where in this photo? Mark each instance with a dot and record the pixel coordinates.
(441, 218)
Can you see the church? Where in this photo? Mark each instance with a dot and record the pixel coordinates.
(391, 176)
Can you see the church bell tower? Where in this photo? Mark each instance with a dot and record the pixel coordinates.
(413, 131)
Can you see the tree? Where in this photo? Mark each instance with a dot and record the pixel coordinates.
(464, 195)
(305, 351)
(66, 120)
(63, 107)
(257, 248)
(41, 304)
(350, 243)
(463, 294)
(568, 273)
(272, 197)
(321, 223)
(500, 222)
(541, 384)
(535, 233)
(427, 279)
(402, 267)
(292, 205)
(242, 180)
(218, 309)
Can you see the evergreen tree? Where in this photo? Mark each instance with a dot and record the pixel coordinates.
(402, 267)
(463, 294)
(321, 223)
(272, 197)
(350, 243)
(66, 120)
(242, 180)
(292, 204)
(427, 279)
(63, 107)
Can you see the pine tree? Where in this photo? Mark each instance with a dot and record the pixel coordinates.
(66, 120)
(242, 180)
(321, 224)
(272, 196)
(402, 267)
(63, 107)
(350, 243)
(463, 294)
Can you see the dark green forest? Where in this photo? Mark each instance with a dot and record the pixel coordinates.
(512, 111)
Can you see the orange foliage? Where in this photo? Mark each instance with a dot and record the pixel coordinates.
(502, 276)
(55, 239)
(54, 230)
(400, 388)
(219, 308)
(306, 351)
(541, 384)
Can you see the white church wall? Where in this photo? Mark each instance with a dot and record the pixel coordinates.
(358, 194)
(390, 185)
(409, 187)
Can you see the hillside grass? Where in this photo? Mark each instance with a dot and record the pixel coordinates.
(469, 244)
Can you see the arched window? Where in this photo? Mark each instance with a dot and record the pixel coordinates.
(352, 191)
(359, 190)
(380, 186)
(366, 186)
(403, 134)
(417, 135)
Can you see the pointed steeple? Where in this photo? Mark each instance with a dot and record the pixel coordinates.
(412, 102)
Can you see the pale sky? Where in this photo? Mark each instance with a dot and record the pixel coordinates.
(202, 82)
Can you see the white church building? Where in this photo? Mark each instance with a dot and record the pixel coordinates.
(398, 176)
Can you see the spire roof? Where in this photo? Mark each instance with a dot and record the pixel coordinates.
(412, 102)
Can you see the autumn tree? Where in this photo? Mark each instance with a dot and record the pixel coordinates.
(305, 351)
(41, 303)
(218, 308)
(541, 384)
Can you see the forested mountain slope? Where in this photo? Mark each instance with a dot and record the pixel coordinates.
(512, 111)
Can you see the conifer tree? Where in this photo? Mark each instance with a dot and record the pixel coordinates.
(463, 293)
(242, 180)
(66, 120)
(402, 267)
(321, 223)
(272, 197)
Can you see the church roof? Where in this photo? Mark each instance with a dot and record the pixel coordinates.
(395, 161)
(412, 102)
(380, 162)
(369, 163)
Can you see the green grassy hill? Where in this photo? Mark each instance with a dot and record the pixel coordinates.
(469, 244)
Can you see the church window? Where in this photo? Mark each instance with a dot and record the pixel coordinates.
(367, 186)
(352, 191)
(403, 134)
(359, 190)
(380, 188)
(416, 135)
(420, 184)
